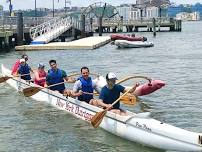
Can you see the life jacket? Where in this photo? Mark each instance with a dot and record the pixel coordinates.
(41, 75)
(86, 87)
(24, 69)
(56, 77)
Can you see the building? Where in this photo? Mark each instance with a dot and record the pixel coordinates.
(1, 10)
(152, 12)
(195, 16)
(124, 10)
(174, 10)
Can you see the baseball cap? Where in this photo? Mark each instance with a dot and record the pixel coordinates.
(22, 60)
(111, 75)
(41, 65)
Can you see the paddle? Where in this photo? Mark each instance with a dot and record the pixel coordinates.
(33, 90)
(98, 117)
(5, 78)
(130, 99)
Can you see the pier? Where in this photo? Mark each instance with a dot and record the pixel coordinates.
(22, 31)
(81, 44)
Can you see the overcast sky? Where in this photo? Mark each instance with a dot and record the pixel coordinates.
(29, 4)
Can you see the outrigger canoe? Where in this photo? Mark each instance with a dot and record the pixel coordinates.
(139, 128)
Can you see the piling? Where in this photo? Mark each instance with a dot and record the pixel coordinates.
(83, 20)
(154, 26)
(100, 26)
(20, 29)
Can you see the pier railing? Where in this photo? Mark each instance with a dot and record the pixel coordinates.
(11, 22)
(140, 21)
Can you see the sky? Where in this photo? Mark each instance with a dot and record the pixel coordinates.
(29, 4)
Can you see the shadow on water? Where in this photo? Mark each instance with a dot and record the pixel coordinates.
(6, 50)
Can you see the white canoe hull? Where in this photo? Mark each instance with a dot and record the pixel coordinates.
(134, 127)
(132, 44)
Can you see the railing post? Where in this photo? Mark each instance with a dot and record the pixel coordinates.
(83, 25)
(154, 27)
(100, 26)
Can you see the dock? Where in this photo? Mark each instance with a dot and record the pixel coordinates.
(84, 43)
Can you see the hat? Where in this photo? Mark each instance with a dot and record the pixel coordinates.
(22, 60)
(41, 65)
(111, 75)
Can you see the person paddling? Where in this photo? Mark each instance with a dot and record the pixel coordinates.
(17, 64)
(111, 92)
(55, 76)
(40, 75)
(84, 85)
(24, 69)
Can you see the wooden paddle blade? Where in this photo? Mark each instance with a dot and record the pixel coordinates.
(97, 118)
(129, 99)
(4, 79)
(30, 91)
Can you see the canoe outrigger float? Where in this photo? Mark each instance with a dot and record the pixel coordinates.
(139, 128)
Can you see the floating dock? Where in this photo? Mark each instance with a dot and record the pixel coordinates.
(84, 43)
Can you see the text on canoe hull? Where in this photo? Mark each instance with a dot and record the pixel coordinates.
(74, 109)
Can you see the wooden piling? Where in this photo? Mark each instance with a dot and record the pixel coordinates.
(154, 26)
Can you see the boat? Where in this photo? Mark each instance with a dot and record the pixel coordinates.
(139, 128)
(141, 90)
(132, 44)
(126, 37)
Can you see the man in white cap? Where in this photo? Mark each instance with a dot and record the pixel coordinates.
(17, 64)
(111, 92)
(24, 70)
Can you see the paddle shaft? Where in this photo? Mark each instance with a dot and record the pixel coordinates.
(117, 100)
(55, 84)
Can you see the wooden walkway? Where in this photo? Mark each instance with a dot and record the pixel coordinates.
(84, 43)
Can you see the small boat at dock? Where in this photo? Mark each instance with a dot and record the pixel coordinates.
(126, 37)
(132, 44)
(138, 128)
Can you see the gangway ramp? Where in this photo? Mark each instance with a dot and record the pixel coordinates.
(50, 30)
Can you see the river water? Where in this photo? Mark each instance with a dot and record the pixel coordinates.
(29, 125)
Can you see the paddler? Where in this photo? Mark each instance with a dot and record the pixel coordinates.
(17, 64)
(111, 92)
(24, 69)
(40, 75)
(85, 86)
(55, 76)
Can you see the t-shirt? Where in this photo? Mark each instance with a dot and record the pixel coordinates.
(110, 95)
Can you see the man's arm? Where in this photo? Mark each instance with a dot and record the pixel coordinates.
(76, 89)
(96, 87)
(68, 79)
(133, 88)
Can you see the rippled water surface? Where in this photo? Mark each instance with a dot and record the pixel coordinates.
(176, 58)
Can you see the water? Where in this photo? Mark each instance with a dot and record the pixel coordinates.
(176, 58)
